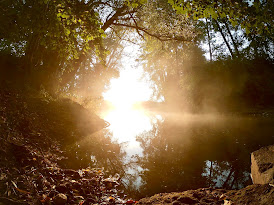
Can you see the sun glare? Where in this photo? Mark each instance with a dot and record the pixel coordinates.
(126, 120)
(127, 90)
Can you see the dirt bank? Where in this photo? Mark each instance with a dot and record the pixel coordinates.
(253, 194)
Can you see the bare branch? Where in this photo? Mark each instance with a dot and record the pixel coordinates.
(157, 36)
(137, 26)
(124, 39)
(111, 13)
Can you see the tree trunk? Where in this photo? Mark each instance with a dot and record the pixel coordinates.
(209, 40)
(226, 42)
(233, 40)
(228, 177)
(210, 173)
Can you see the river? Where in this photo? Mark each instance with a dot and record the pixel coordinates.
(169, 152)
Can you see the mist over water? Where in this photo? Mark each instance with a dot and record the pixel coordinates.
(199, 126)
(178, 151)
(201, 133)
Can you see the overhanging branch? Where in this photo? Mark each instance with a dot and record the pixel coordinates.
(115, 16)
(157, 36)
(137, 26)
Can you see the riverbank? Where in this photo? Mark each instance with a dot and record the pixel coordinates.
(254, 194)
(41, 159)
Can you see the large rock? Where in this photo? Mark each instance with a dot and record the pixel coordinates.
(262, 165)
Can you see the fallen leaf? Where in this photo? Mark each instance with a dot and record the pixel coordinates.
(82, 202)
(3, 176)
(130, 202)
(14, 184)
(22, 191)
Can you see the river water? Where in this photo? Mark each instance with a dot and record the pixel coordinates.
(176, 151)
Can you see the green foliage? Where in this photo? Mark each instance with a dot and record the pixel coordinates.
(53, 40)
(58, 25)
(160, 21)
(136, 3)
(255, 16)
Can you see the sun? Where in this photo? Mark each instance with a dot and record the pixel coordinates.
(128, 89)
(127, 120)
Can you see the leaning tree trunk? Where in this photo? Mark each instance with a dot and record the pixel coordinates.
(209, 40)
(232, 39)
(225, 40)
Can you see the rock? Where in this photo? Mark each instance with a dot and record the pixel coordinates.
(60, 199)
(262, 165)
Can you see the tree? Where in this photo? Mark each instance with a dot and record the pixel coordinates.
(58, 42)
(49, 35)
(238, 12)
(175, 68)
(251, 18)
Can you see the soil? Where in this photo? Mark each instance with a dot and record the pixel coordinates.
(253, 194)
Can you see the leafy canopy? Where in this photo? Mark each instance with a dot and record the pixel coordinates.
(252, 16)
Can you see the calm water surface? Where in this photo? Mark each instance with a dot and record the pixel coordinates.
(176, 151)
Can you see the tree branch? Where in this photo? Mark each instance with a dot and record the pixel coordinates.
(157, 36)
(124, 39)
(114, 17)
(137, 26)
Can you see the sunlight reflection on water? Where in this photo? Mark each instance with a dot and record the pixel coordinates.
(127, 121)
(126, 124)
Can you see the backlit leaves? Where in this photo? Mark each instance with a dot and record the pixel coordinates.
(253, 16)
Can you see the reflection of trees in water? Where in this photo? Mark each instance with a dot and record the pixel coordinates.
(200, 151)
(226, 174)
(96, 150)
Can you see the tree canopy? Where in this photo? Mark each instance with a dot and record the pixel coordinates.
(76, 46)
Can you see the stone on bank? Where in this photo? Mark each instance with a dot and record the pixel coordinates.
(262, 165)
